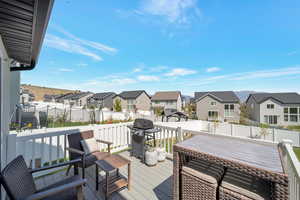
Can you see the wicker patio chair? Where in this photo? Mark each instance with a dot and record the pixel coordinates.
(18, 182)
(240, 186)
(199, 180)
(76, 151)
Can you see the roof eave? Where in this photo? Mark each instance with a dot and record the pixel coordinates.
(42, 11)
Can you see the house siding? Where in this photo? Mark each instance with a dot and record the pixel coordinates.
(204, 105)
(143, 102)
(278, 111)
(173, 104)
(254, 109)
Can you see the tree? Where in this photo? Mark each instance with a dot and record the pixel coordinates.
(117, 105)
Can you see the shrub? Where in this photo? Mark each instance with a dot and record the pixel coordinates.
(117, 105)
(158, 111)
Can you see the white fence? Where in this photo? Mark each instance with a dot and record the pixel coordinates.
(50, 145)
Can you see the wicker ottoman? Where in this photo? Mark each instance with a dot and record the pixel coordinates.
(237, 185)
(199, 180)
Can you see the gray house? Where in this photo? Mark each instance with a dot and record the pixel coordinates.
(219, 105)
(102, 100)
(75, 99)
(134, 100)
(275, 108)
(167, 99)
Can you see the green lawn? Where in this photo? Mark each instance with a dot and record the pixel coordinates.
(297, 152)
(294, 128)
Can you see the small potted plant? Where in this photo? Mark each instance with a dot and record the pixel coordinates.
(151, 157)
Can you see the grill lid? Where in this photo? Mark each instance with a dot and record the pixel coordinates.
(143, 124)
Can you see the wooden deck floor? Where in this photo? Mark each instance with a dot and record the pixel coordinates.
(147, 183)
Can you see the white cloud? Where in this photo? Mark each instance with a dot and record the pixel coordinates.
(82, 64)
(69, 46)
(213, 69)
(122, 81)
(267, 73)
(72, 44)
(180, 72)
(292, 53)
(148, 78)
(159, 68)
(175, 11)
(138, 69)
(65, 70)
(92, 44)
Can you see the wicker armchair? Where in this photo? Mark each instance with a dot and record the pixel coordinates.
(18, 182)
(76, 151)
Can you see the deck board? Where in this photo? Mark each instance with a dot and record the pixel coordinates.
(151, 183)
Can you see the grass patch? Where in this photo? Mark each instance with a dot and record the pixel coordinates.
(294, 128)
(297, 152)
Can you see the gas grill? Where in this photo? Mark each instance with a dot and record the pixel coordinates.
(142, 132)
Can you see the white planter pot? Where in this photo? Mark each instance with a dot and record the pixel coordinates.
(151, 158)
(161, 154)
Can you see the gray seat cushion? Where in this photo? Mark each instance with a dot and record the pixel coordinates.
(246, 185)
(65, 195)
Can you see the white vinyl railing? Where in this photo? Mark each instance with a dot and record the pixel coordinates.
(47, 146)
(292, 166)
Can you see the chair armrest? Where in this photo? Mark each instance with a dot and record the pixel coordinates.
(75, 151)
(104, 142)
(54, 166)
(56, 190)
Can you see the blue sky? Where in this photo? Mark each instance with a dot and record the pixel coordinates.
(185, 45)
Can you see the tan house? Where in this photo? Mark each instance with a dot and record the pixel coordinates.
(219, 105)
(134, 100)
(167, 99)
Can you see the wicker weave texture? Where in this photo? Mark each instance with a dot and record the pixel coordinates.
(279, 180)
(193, 188)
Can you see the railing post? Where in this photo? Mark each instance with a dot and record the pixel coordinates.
(283, 145)
(11, 147)
(179, 134)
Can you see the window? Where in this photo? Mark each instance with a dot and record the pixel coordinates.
(271, 119)
(229, 110)
(213, 114)
(213, 103)
(270, 106)
(252, 105)
(293, 111)
(294, 118)
(131, 102)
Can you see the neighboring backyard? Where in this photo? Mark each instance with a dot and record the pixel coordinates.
(297, 152)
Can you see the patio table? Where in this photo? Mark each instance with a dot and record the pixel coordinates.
(255, 158)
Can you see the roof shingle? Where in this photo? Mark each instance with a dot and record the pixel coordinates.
(285, 98)
(222, 96)
(131, 94)
(167, 95)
